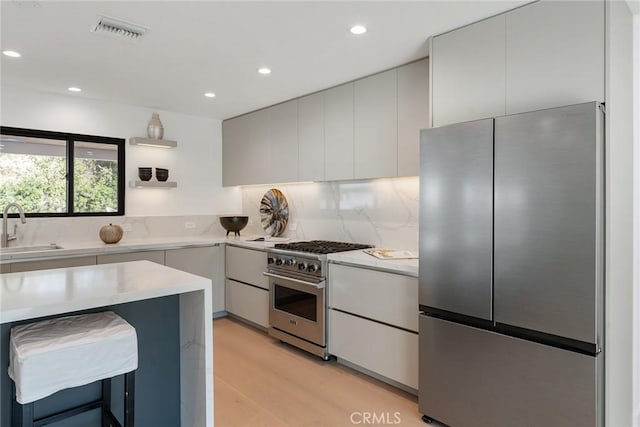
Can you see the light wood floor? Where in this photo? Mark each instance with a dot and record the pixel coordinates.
(260, 381)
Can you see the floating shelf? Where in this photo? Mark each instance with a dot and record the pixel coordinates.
(153, 184)
(149, 142)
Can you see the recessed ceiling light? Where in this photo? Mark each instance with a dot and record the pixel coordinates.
(210, 95)
(11, 53)
(74, 89)
(264, 70)
(358, 29)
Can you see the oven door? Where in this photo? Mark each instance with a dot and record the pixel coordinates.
(297, 307)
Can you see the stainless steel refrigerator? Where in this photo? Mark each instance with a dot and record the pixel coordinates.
(511, 270)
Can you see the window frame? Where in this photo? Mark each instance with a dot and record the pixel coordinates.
(69, 139)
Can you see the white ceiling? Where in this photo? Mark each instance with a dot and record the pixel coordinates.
(195, 47)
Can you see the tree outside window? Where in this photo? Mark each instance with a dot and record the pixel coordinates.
(61, 174)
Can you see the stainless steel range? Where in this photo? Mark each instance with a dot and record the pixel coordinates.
(297, 276)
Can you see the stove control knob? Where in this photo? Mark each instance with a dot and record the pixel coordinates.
(271, 260)
(312, 268)
(302, 266)
(279, 261)
(291, 261)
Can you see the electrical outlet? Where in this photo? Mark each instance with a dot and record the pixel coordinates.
(189, 225)
(127, 227)
(293, 226)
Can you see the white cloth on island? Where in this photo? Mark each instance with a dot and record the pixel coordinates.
(55, 354)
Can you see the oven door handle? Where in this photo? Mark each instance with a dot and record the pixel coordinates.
(303, 282)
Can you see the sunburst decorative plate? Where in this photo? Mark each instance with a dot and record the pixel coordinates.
(274, 212)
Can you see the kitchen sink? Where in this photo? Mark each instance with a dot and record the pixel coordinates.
(37, 248)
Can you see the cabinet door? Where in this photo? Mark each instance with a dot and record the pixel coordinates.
(338, 132)
(235, 140)
(413, 114)
(468, 68)
(387, 351)
(256, 162)
(206, 262)
(248, 302)
(282, 139)
(5, 268)
(555, 55)
(246, 265)
(385, 297)
(153, 256)
(376, 126)
(52, 263)
(311, 137)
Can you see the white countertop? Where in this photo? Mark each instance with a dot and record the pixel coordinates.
(40, 293)
(407, 267)
(75, 249)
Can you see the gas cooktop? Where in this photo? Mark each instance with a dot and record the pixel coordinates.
(321, 246)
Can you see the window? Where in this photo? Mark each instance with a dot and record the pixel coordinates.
(61, 174)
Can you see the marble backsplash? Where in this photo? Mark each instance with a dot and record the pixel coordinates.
(382, 212)
(38, 231)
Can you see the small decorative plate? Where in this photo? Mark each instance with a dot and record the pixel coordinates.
(274, 212)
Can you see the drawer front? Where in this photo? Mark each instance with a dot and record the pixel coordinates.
(387, 351)
(385, 297)
(248, 302)
(246, 265)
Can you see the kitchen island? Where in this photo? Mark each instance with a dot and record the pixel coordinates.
(171, 311)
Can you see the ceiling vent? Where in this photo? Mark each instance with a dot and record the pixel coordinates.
(118, 28)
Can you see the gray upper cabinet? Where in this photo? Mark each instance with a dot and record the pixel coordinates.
(338, 133)
(555, 55)
(311, 137)
(542, 55)
(281, 138)
(413, 114)
(468, 68)
(245, 151)
(376, 126)
(365, 129)
(235, 137)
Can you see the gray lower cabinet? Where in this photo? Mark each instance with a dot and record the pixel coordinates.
(206, 262)
(5, 268)
(380, 309)
(153, 256)
(52, 263)
(248, 302)
(246, 288)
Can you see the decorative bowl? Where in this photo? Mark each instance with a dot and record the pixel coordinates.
(144, 173)
(162, 174)
(233, 224)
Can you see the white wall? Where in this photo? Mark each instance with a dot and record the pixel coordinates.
(619, 316)
(196, 164)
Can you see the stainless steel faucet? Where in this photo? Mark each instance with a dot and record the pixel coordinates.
(5, 235)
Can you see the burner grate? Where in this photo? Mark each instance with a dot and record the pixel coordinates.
(321, 246)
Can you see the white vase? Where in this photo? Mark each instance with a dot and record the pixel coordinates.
(155, 130)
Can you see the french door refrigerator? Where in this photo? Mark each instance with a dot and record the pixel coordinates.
(511, 270)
